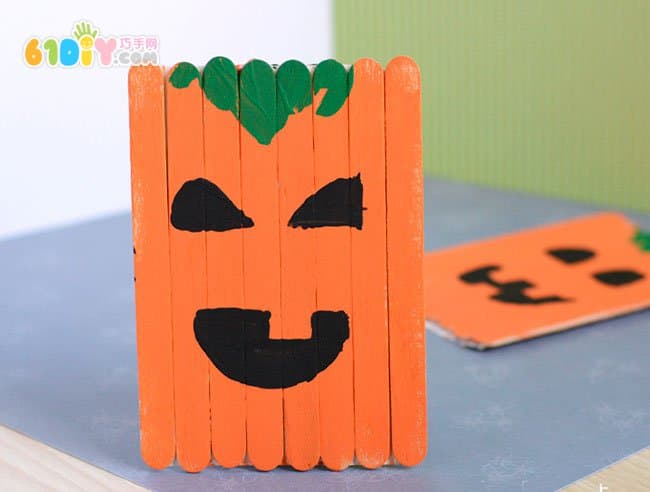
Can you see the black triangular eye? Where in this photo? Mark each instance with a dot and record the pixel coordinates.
(616, 278)
(339, 203)
(571, 255)
(201, 206)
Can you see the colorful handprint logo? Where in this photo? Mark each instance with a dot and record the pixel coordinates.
(86, 37)
(86, 48)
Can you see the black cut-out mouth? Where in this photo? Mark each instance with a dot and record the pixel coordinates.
(508, 292)
(238, 344)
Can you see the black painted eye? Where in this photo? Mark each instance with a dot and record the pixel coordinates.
(617, 278)
(571, 255)
(201, 206)
(339, 203)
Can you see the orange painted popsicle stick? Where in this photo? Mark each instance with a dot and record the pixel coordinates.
(259, 166)
(333, 291)
(298, 260)
(151, 264)
(224, 256)
(188, 256)
(405, 250)
(369, 290)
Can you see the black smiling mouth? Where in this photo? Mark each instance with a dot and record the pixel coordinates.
(238, 344)
(508, 292)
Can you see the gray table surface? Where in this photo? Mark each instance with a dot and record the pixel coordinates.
(532, 416)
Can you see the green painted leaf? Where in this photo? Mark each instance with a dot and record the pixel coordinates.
(642, 239)
(220, 84)
(264, 100)
(183, 74)
(293, 80)
(332, 75)
(258, 100)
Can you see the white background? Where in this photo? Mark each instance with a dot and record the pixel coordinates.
(64, 137)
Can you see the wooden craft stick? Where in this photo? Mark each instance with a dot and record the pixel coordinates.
(188, 257)
(405, 250)
(333, 259)
(298, 260)
(224, 250)
(369, 291)
(27, 465)
(151, 264)
(264, 415)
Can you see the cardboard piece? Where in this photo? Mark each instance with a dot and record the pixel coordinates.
(277, 218)
(543, 280)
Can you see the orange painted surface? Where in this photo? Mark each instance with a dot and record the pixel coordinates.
(469, 312)
(334, 292)
(151, 264)
(405, 250)
(298, 260)
(225, 285)
(260, 200)
(371, 399)
(188, 274)
(369, 282)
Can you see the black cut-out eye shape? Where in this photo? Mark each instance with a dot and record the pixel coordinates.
(618, 278)
(612, 278)
(200, 205)
(571, 255)
(339, 203)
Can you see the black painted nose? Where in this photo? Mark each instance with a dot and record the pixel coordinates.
(238, 344)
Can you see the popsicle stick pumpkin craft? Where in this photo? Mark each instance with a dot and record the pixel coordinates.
(542, 280)
(277, 227)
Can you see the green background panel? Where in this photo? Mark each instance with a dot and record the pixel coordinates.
(547, 96)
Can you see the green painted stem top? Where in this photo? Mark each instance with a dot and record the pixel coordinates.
(642, 240)
(183, 74)
(263, 99)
